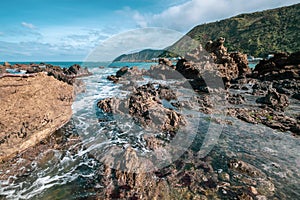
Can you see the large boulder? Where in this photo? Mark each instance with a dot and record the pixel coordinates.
(31, 109)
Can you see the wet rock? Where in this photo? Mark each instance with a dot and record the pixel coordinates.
(224, 177)
(245, 168)
(235, 99)
(296, 96)
(265, 187)
(266, 116)
(281, 66)
(145, 107)
(165, 61)
(122, 71)
(76, 70)
(113, 78)
(274, 100)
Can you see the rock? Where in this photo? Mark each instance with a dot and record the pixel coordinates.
(265, 187)
(224, 177)
(296, 96)
(77, 70)
(163, 72)
(6, 64)
(122, 71)
(41, 105)
(235, 99)
(281, 66)
(245, 168)
(145, 107)
(236, 63)
(266, 116)
(242, 63)
(218, 64)
(67, 75)
(165, 61)
(113, 78)
(274, 100)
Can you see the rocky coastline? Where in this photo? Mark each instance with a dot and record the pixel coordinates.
(257, 96)
(221, 83)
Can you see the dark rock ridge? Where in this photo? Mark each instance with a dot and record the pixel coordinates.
(281, 66)
(126, 73)
(67, 75)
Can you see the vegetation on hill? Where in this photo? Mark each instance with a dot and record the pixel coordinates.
(143, 55)
(256, 34)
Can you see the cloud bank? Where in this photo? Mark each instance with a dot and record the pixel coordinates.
(186, 15)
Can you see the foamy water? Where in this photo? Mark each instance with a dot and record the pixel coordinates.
(66, 175)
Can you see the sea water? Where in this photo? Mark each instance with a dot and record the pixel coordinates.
(74, 176)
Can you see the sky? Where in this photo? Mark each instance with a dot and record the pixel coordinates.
(71, 30)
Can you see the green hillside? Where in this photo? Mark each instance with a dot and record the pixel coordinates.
(257, 34)
(143, 55)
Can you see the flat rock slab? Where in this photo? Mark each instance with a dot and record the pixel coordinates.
(31, 108)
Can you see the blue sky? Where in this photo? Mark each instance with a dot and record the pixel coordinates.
(63, 30)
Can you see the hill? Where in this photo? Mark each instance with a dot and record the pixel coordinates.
(257, 34)
(143, 55)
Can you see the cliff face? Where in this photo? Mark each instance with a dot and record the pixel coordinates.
(30, 110)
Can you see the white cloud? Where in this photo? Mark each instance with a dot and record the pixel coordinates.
(189, 14)
(28, 25)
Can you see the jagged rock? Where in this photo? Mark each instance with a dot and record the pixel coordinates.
(274, 100)
(218, 63)
(235, 99)
(242, 63)
(145, 107)
(76, 70)
(281, 66)
(113, 78)
(122, 71)
(165, 61)
(126, 73)
(67, 75)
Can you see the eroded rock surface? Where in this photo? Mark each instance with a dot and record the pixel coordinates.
(31, 109)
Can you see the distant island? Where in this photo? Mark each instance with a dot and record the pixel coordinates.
(257, 34)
